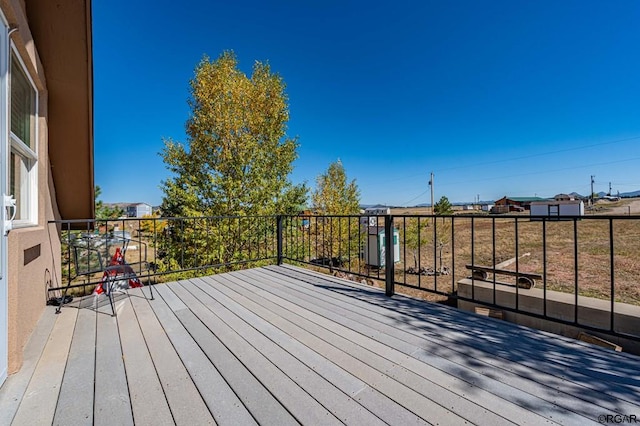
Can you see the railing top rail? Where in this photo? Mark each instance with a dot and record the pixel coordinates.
(454, 216)
(71, 221)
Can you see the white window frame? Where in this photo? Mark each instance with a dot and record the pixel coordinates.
(29, 177)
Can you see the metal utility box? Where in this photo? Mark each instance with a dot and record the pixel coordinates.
(375, 248)
(371, 215)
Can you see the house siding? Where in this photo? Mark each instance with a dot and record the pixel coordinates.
(33, 251)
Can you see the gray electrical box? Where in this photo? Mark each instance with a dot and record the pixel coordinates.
(375, 246)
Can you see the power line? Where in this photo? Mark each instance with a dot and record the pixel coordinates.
(524, 157)
(406, 203)
(583, 166)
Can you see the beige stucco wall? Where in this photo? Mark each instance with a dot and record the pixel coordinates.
(27, 284)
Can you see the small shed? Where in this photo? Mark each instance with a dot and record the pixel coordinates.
(487, 207)
(557, 208)
(375, 246)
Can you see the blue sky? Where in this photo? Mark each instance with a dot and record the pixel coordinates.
(495, 97)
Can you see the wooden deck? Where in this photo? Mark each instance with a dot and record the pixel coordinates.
(283, 345)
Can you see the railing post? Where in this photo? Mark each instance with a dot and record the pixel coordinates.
(388, 252)
(279, 237)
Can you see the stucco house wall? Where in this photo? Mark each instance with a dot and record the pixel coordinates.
(34, 260)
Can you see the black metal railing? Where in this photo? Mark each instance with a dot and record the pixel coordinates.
(163, 248)
(582, 270)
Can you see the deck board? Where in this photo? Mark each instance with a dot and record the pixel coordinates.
(451, 335)
(15, 386)
(185, 402)
(341, 405)
(439, 388)
(339, 351)
(379, 404)
(456, 377)
(223, 403)
(75, 403)
(284, 345)
(148, 402)
(292, 397)
(39, 403)
(112, 402)
(259, 401)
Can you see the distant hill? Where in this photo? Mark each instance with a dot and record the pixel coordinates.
(622, 194)
(630, 194)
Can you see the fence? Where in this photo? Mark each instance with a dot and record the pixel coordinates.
(164, 248)
(465, 258)
(585, 269)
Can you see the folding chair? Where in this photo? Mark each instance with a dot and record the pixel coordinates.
(89, 252)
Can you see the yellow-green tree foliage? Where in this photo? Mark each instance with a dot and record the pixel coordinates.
(335, 196)
(236, 161)
(151, 225)
(425, 238)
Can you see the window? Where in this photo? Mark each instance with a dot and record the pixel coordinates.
(22, 166)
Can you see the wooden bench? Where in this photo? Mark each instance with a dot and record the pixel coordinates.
(523, 279)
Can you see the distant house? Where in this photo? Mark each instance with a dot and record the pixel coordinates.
(377, 210)
(507, 204)
(139, 210)
(564, 197)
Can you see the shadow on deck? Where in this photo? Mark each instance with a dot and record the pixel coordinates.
(284, 345)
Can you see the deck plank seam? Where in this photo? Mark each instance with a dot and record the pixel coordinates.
(411, 331)
(395, 364)
(274, 343)
(249, 344)
(532, 394)
(204, 353)
(260, 382)
(540, 335)
(367, 307)
(153, 362)
(391, 381)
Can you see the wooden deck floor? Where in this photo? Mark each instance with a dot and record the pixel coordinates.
(283, 345)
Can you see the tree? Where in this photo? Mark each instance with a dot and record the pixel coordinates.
(423, 235)
(413, 236)
(443, 207)
(237, 158)
(335, 196)
(103, 211)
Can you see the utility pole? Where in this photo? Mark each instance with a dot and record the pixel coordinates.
(591, 196)
(431, 185)
(609, 194)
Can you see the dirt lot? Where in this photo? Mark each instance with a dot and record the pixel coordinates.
(626, 206)
(629, 206)
(585, 267)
